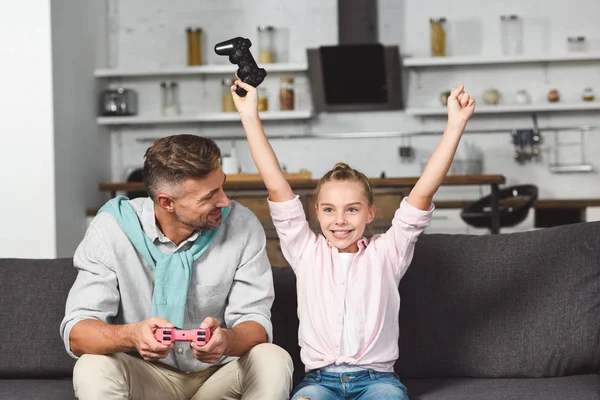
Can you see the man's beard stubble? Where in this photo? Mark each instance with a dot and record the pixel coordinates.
(201, 225)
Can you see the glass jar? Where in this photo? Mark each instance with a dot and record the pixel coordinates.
(194, 46)
(263, 99)
(170, 98)
(511, 27)
(227, 98)
(576, 43)
(553, 96)
(588, 94)
(523, 97)
(286, 94)
(438, 36)
(266, 44)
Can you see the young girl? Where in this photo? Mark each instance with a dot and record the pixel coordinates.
(348, 300)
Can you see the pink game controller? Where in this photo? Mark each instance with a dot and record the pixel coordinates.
(170, 335)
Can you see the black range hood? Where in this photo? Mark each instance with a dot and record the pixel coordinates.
(358, 74)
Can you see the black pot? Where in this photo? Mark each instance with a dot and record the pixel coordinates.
(514, 205)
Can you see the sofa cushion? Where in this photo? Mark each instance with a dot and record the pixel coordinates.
(32, 304)
(36, 389)
(515, 305)
(582, 387)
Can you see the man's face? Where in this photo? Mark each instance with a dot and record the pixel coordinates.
(199, 203)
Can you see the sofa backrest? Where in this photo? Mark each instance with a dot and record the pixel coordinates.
(32, 305)
(514, 305)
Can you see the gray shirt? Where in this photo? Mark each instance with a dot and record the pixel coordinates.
(232, 281)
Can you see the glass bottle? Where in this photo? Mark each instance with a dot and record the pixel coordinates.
(194, 46)
(263, 99)
(227, 98)
(512, 34)
(438, 36)
(576, 43)
(286, 94)
(170, 98)
(588, 94)
(266, 44)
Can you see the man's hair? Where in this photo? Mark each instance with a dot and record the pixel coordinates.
(173, 159)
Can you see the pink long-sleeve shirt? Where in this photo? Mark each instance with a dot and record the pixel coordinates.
(372, 293)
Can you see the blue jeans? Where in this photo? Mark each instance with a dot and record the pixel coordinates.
(363, 385)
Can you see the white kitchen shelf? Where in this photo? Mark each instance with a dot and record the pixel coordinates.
(189, 71)
(208, 117)
(491, 60)
(509, 108)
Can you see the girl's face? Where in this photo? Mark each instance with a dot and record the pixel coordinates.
(343, 212)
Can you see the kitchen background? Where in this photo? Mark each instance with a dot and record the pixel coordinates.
(149, 34)
(145, 35)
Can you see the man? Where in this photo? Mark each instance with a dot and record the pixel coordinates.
(184, 257)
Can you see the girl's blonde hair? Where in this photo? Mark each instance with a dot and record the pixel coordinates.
(342, 172)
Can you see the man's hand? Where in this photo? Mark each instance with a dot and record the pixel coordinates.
(145, 342)
(460, 105)
(216, 347)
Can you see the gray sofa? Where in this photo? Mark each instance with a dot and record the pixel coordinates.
(512, 316)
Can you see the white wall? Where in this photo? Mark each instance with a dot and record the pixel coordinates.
(52, 154)
(26, 150)
(82, 150)
(150, 34)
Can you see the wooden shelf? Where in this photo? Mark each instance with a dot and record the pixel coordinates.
(509, 108)
(414, 62)
(208, 117)
(190, 71)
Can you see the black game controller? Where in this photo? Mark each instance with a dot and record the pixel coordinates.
(238, 50)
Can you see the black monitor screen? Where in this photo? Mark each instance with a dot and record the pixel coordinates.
(354, 74)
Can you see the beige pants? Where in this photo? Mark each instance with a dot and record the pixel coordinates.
(264, 373)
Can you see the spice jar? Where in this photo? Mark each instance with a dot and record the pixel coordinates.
(444, 97)
(438, 36)
(227, 98)
(588, 94)
(286, 94)
(266, 44)
(512, 34)
(263, 99)
(194, 46)
(170, 98)
(576, 43)
(553, 96)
